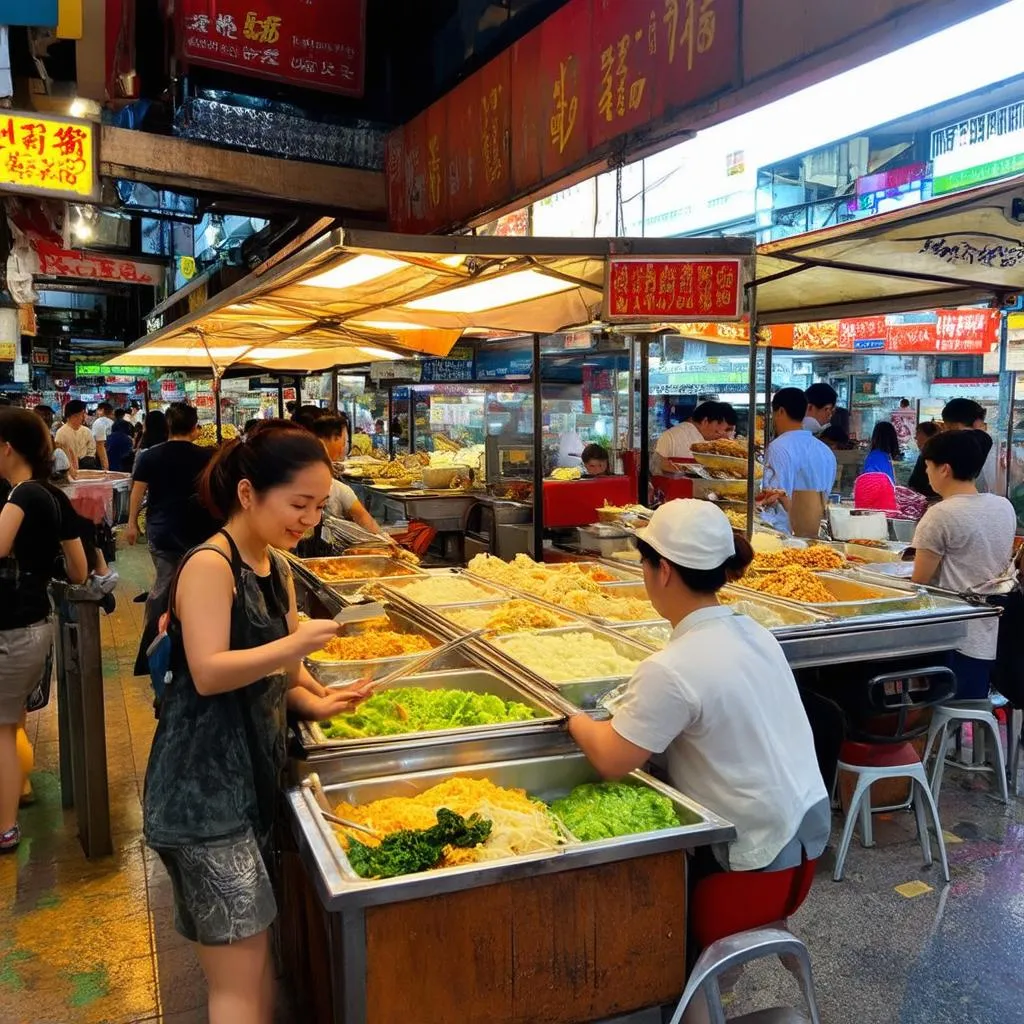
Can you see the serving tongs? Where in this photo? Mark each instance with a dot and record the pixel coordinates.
(312, 782)
(417, 663)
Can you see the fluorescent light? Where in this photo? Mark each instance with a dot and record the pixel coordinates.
(354, 271)
(391, 325)
(379, 353)
(503, 290)
(277, 353)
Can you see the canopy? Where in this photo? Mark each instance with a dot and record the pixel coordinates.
(957, 250)
(353, 297)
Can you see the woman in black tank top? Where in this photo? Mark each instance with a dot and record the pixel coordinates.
(237, 647)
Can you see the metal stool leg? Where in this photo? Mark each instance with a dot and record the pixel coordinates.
(940, 761)
(992, 727)
(851, 819)
(922, 824)
(926, 794)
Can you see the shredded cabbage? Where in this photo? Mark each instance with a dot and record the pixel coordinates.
(602, 810)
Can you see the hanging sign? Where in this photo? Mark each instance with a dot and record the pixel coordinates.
(48, 156)
(318, 44)
(639, 289)
(397, 369)
(56, 262)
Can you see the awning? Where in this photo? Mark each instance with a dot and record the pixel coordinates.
(957, 250)
(353, 297)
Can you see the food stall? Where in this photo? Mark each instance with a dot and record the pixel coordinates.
(562, 920)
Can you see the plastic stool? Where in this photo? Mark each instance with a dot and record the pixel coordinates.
(948, 718)
(740, 949)
(895, 761)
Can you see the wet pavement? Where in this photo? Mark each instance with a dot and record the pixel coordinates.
(87, 943)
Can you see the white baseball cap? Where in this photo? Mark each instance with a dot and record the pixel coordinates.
(690, 533)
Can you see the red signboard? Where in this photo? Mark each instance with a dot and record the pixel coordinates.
(319, 44)
(56, 262)
(594, 71)
(639, 289)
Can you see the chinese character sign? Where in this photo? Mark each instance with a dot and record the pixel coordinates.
(318, 44)
(47, 156)
(673, 289)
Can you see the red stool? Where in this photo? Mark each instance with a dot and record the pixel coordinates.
(738, 901)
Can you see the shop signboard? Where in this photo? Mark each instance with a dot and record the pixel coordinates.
(53, 157)
(57, 262)
(398, 369)
(40, 357)
(591, 73)
(978, 149)
(33, 13)
(100, 370)
(317, 44)
(639, 289)
(457, 366)
(501, 365)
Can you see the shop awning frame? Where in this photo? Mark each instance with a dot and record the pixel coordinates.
(958, 250)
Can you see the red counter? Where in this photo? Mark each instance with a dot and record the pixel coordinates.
(575, 502)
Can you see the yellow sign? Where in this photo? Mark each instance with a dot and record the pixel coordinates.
(188, 267)
(48, 156)
(6, 351)
(69, 19)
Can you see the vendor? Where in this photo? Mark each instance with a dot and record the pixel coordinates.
(708, 423)
(343, 503)
(595, 460)
(720, 699)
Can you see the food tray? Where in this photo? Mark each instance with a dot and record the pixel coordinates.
(339, 673)
(369, 567)
(474, 680)
(727, 464)
(443, 611)
(849, 603)
(488, 591)
(584, 693)
(545, 778)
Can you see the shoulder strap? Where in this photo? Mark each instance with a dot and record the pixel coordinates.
(173, 590)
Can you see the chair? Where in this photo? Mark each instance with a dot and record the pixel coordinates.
(949, 719)
(900, 702)
(738, 901)
(735, 951)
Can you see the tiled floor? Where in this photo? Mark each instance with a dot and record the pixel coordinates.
(86, 943)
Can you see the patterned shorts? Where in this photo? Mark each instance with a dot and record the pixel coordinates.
(222, 890)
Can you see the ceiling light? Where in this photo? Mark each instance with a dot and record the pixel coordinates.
(379, 353)
(391, 325)
(355, 271)
(277, 353)
(495, 292)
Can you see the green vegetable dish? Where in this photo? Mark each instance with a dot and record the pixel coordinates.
(603, 810)
(410, 850)
(413, 709)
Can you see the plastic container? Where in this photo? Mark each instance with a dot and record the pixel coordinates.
(855, 524)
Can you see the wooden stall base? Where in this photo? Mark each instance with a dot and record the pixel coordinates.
(570, 947)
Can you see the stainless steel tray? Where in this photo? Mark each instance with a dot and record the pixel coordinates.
(546, 778)
(313, 739)
(893, 597)
(447, 610)
(368, 567)
(338, 673)
(487, 591)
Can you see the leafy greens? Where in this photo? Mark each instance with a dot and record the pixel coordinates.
(602, 810)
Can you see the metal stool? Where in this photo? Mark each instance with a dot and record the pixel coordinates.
(899, 708)
(740, 949)
(949, 718)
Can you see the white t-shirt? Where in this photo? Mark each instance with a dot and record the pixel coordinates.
(796, 461)
(342, 500)
(80, 442)
(677, 441)
(973, 534)
(101, 427)
(722, 700)
(811, 424)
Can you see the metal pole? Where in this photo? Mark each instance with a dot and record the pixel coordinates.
(334, 392)
(767, 391)
(217, 415)
(752, 409)
(1006, 388)
(643, 467)
(280, 398)
(412, 419)
(391, 420)
(538, 455)
(631, 392)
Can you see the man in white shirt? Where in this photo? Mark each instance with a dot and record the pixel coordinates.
(75, 438)
(101, 427)
(962, 543)
(709, 422)
(821, 403)
(796, 460)
(720, 699)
